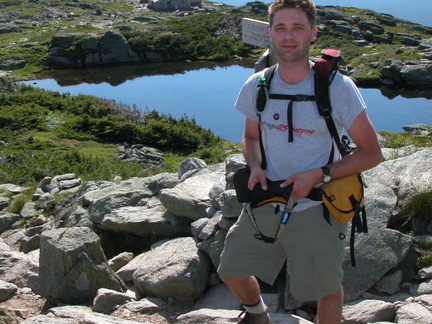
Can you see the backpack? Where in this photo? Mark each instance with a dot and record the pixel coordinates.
(325, 69)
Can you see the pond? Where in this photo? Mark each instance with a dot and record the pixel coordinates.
(207, 91)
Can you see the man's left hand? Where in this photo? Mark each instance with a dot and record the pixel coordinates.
(303, 183)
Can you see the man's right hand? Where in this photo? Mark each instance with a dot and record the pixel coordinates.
(257, 176)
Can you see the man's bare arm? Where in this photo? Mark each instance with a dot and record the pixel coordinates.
(368, 153)
(252, 154)
(366, 156)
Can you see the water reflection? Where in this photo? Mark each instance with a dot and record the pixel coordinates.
(115, 75)
(118, 74)
(393, 92)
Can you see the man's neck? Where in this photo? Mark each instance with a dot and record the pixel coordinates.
(294, 73)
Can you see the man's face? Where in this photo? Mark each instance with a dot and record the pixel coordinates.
(291, 35)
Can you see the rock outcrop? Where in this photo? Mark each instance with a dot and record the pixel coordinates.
(107, 236)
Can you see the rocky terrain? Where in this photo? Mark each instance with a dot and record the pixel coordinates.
(145, 250)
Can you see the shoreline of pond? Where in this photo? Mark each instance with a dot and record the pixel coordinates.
(117, 74)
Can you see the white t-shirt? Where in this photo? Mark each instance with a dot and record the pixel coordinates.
(312, 142)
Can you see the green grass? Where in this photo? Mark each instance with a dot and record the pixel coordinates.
(20, 200)
(419, 207)
(398, 140)
(425, 260)
(89, 160)
(86, 144)
(425, 254)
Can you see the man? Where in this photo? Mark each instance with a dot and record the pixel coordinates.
(315, 248)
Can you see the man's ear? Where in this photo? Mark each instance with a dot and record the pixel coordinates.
(314, 33)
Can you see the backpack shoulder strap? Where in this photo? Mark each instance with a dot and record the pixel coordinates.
(269, 73)
(263, 88)
(322, 99)
(261, 102)
(325, 70)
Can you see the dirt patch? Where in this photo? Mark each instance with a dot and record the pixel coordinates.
(24, 304)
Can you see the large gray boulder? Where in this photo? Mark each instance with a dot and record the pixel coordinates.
(376, 253)
(77, 314)
(412, 73)
(223, 316)
(66, 40)
(115, 48)
(413, 172)
(6, 220)
(413, 313)
(369, 311)
(95, 200)
(373, 26)
(12, 64)
(73, 266)
(175, 268)
(380, 198)
(17, 269)
(130, 192)
(190, 198)
(126, 272)
(417, 74)
(75, 49)
(192, 164)
(146, 222)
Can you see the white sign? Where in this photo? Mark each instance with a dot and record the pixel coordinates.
(255, 32)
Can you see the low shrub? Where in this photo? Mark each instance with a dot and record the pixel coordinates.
(23, 116)
(419, 207)
(85, 143)
(398, 140)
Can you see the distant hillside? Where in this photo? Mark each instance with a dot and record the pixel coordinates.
(44, 34)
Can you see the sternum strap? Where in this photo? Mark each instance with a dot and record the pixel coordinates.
(291, 99)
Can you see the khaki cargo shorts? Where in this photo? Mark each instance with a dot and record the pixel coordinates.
(314, 248)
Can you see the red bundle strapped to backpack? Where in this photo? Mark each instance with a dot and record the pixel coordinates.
(329, 61)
